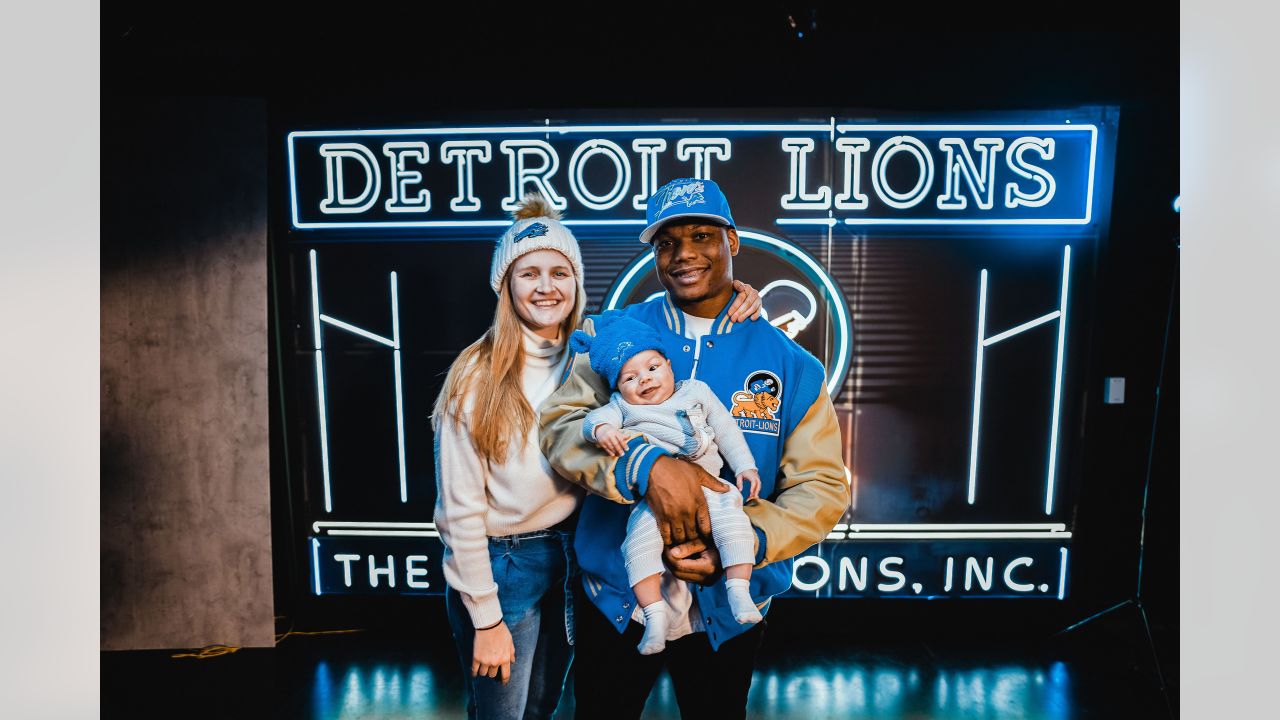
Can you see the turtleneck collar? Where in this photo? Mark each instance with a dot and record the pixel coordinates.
(536, 346)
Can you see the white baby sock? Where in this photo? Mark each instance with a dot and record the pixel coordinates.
(655, 629)
(744, 610)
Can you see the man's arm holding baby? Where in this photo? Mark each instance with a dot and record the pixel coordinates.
(671, 487)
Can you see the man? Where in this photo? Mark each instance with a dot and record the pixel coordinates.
(777, 394)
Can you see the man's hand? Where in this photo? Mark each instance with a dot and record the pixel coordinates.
(676, 500)
(694, 561)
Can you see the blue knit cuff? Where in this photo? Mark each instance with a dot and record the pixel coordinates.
(760, 546)
(631, 473)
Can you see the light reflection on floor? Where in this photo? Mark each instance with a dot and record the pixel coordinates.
(823, 689)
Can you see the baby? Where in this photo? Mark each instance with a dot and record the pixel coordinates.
(686, 419)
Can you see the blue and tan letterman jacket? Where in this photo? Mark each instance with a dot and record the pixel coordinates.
(775, 391)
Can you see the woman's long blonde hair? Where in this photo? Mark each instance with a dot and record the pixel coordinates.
(490, 373)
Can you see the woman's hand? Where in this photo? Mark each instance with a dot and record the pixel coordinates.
(493, 653)
(746, 306)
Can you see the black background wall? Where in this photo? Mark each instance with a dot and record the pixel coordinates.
(478, 59)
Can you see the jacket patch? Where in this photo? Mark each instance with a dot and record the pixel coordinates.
(757, 405)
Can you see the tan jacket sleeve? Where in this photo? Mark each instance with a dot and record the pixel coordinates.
(560, 437)
(812, 492)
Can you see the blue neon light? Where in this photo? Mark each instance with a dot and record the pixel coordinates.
(1074, 144)
(977, 388)
(393, 343)
(1057, 381)
(1060, 315)
(320, 401)
(315, 563)
(813, 270)
(1062, 575)
(395, 332)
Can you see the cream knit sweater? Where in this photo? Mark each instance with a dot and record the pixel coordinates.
(477, 500)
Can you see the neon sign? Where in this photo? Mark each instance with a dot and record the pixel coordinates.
(881, 174)
(930, 267)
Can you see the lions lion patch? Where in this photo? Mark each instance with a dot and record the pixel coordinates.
(756, 406)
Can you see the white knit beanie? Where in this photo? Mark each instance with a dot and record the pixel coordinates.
(537, 226)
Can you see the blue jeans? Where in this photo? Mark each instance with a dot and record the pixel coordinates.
(534, 572)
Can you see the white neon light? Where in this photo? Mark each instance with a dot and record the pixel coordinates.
(395, 333)
(412, 571)
(358, 331)
(389, 571)
(1021, 328)
(401, 177)
(570, 129)
(951, 562)
(982, 183)
(798, 198)
(835, 536)
(977, 388)
(324, 422)
(1046, 185)
(793, 320)
(648, 148)
(973, 570)
(880, 166)
(833, 294)
(951, 527)
(869, 535)
(645, 263)
(809, 560)
(723, 128)
(947, 127)
(848, 572)
(701, 150)
(346, 559)
(318, 526)
(324, 431)
(1057, 382)
(520, 174)
(315, 562)
(1062, 574)
(852, 197)
(885, 571)
(385, 533)
(336, 202)
(959, 221)
(828, 222)
(315, 302)
(466, 153)
(622, 173)
(1008, 576)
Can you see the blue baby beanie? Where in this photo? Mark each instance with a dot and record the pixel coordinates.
(618, 338)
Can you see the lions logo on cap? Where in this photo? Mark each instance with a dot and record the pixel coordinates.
(689, 193)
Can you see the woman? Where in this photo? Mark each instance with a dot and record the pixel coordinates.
(506, 518)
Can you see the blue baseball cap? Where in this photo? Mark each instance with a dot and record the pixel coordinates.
(685, 198)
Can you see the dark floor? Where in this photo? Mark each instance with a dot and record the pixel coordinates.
(1100, 673)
